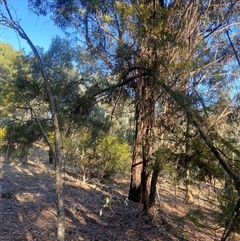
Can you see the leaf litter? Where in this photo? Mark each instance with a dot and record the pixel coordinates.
(98, 210)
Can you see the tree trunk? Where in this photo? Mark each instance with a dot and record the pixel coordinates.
(142, 150)
(153, 186)
(59, 186)
(143, 181)
(9, 22)
(9, 145)
(50, 157)
(137, 163)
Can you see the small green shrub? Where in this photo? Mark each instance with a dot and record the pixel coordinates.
(196, 216)
(114, 155)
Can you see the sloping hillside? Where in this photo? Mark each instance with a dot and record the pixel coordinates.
(98, 210)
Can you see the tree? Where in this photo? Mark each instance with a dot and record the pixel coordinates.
(12, 105)
(8, 70)
(6, 19)
(158, 53)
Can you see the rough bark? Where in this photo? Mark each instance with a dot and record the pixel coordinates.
(142, 153)
(137, 162)
(153, 186)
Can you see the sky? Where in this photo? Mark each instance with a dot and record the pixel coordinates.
(40, 29)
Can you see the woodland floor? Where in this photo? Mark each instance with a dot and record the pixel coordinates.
(31, 212)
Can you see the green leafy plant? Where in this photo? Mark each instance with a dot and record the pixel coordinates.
(105, 205)
(114, 154)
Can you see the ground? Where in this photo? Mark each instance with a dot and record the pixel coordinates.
(98, 210)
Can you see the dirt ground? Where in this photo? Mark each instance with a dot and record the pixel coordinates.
(30, 213)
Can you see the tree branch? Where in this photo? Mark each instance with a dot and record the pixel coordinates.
(234, 50)
(184, 102)
(221, 23)
(33, 111)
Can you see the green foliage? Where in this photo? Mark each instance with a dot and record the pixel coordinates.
(90, 143)
(197, 217)
(126, 10)
(15, 114)
(101, 155)
(114, 153)
(8, 57)
(227, 200)
(23, 134)
(107, 204)
(3, 138)
(26, 79)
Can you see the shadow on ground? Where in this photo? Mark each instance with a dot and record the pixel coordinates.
(31, 213)
(94, 211)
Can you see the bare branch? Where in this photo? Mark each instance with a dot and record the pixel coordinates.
(223, 20)
(234, 50)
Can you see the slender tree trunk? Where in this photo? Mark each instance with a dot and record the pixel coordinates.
(9, 145)
(9, 22)
(59, 187)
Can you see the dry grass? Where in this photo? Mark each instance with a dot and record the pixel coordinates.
(31, 213)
